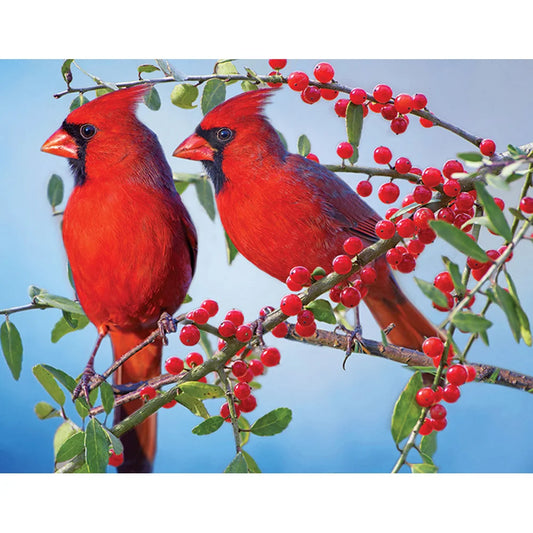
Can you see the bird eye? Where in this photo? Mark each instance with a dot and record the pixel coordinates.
(224, 134)
(87, 131)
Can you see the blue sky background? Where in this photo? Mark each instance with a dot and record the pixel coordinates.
(341, 419)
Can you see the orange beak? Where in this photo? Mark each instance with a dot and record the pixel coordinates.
(195, 148)
(61, 143)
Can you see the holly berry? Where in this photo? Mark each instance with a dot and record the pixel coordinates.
(210, 306)
(189, 335)
(274, 84)
(239, 368)
(244, 333)
(399, 125)
(174, 365)
(342, 264)
(422, 217)
(375, 107)
(350, 297)
(235, 316)
(439, 424)
(385, 229)
(242, 390)
(256, 366)
(464, 202)
(389, 112)
(311, 94)
(248, 404)
(301, 275)
(427, 427)
(305, 331)
(323, 72)
(419, 101)
(388, 193)
(225, 414)
(280, 331)
(426, 123)
(306, 317)
(340, 107)
(404, 103)
(431, 177)
(402, 165)
(227, 328)
(391, 212)
(312, 157)
(328, 94)
(382, 93)
(368, 275)
(357, 96)
(425, 397)
(277, 64)
(443, 281)
(405, 228)
(471, 373)
(407, 264)
(247, 376)
(344, 150)
(487, 147)
(298, 81)
(451, 393)
(415, 247)
(426, 235)
(446, 213)
(451, 188)
(438, 412)
(194, 359)
(364, 188)
(270, 356)
(292, 285)
(393, 256)
(147, 392)
(353, 245)
(526, 205)
(457, 375)
(451, 166)
(422, 194)
(382, 155)
(115, 459)
(291, 305)
(433, 347)
(500, 203)
(449, 299)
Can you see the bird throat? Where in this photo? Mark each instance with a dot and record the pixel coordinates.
(215, 172)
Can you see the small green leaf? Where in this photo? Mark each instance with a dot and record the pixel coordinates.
(497, 181)
(226, 68)
(323, 311)
(103, 90)
(237, 466)
(64, 326)
(114, 441)
(55, 190)
(183, 95)
(146, 68)
(43, 297)
(45, 411)
(248, 86)
(250, 463)
(47, 380)
(67, 381)
(493, 212)
(474, 157)
(96, 447)
(424, 468)
(434, 294)
(354, 128)
(107, 396)
(455, 274)
(195, 406)
(208, 426)
(471, 322)
(11, 347)
(304, 145)
(213, 95)
(406, 411)
(525, 329)
(63, 432)
(282, 139)
(272, 423)
(231, 250)
(244, 425)
(205, 197)
(428, 444)
(507, 303)
(65, 70)
(78, 101)
(458, 240)
(81, 407)
(169, 70)
(202, 391)
(152, 99)
(73, 446)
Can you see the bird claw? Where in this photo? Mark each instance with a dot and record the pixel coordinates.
(354, 341)
(166, 324)
(265, 311)
(89, 380)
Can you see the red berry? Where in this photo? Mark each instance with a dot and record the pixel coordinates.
(471, 373)
(388, 193)
(388, 112)
(200, 315)
(365, 110)
(487, 147)
(385, 229)
(353, 245)
(342, 264)
(500, 203)
(382, 155)
(433, 347)
(426, 235)
(460, 220)
(335, 294)
(115, 460)
(422, 217)
(368, 275)
(301, 275)
(447, 214)
(274, 84)
(402, 165)
(375, 107)
(443, 281)
(226, 328)
(464, 202)
(147, 392)
(393, 256)
(438, 412)
(305, 331)
(280, 330)
(248, 404)
(451, 166)
(425, 397)
(242, 390)
(340, 107)
(194, 359)
(235, 316)
(399, 125)
(310, 94)
(415, 247)
(526, 205)
(344, 150)
(431, 177)
(439, 424)
(312, 157)
(391, 212)
(417, 171)
(189, 335)
(170, 404)
(404, 103)
(239, 368)
(328, 94)
(426, 428)
(306, 317)
(405, 228)
(323, 72)
(422, 194)
(426, 123)
(451, 393)
(298, 81)
(407, 264)
(210, 306)
(291, 305)
(451, 188)
(350, 297)
(364, 188)
(244, 333)
(277, 64)
(292, 285)
(270, 356)
(419, 101)
(247, 376)
(256, 366)
(382, 93)
(449, 299)
(225, 414)
(457, 375)
(174, 365)
(357, 96)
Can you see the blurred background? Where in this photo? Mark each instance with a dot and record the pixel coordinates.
(341, 418)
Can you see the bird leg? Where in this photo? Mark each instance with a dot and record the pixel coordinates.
(166, 324)
(260, 321)
(89, 378)
(354, 338)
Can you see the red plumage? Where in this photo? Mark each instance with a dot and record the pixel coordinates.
(129, 239)
(282, 210)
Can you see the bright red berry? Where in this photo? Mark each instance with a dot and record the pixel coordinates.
(438, 412)
(312, 157)
(194, 359)
(422, 217)
(293, 285)
(174, 365)
(328, 94)
(242, 390)
(239, 368)
(500, 203)
(235, 316)
(425, 397)
(115, 459)
(368, 275)
(391, 212)
(170, 404)
(248, 404)
(457, 375)
(451, 393)
(335, 294)
(446, 213)
(393, 256)
(189, 335)
(270, 356)
(431, 177)
(422, 194)
(487, 147)
(298, 81)
(277, 64)
(344, 150)
(291, 305)
(464, 202)
(419, 101)
(357, 96)
(305, 317)
(256, 366)
(439, 424)
(342, 264)
(382, 93)
(280, 330)
(407, 264)
(226, 328)
(399, 125)
(385, 229)
(449, 299)
(471, 373)
(443, 281)
(375, 107)
(324, 72)
(364, 188)
(310, 94)
(147, 392)
(427, 427)
(404, 103)
(274, 84)
(225, 414)
(526, 205)
(426, 235)
(415, 247)
(353, 245)
(433, 347)
(244, 333)
(389, 112)
(301, 275)
(417, 171)
(451, 188)
(340, 107)
(426, 123)
(405, 228)
(451, 166)
(382, 155)
(305, 331)
(210, 306)
(350, 297)
(402, 165)
(388, 193)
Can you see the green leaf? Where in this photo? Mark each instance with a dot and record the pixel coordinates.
(47, 380)
(406, 411)
(525, 330)
(323, 311)
(214, 94)
(354, 127)
(78, 101)
(195, 406)
(493, 212)
(424, 468)
(434, 294)
(272, 423)
(507, 303)
(43, 297)
(282, 139)
(183, 95)
(250, 463)
(205, 343)
(455, 274)
(474, 157)
(304, 145)
(248, 86)
(428, 444)
(96, 447)
(497, 181)
(243, 424)
(202, 391)
(107, 396)
(226, 68)
(55, 190)
(63, 432)
(81, 407)
(169, 70)
(458, 240)
(146, 68)
(64, 326)
(471, 322)
(181, 186)
(114, 441)
(237, 466)
(231, 250)
(65, 70)
(67, 381)
(45, 411)
(152, 99)
(11, 347)
(103, 90)
(208, 426)
(73, 446)
(205, 197)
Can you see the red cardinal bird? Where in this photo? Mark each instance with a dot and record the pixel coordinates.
(282, 210)
(129, 240)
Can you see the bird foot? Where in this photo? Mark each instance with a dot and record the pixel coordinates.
(265, 311)
(354, 341)
(89, 380)
(166, 324)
